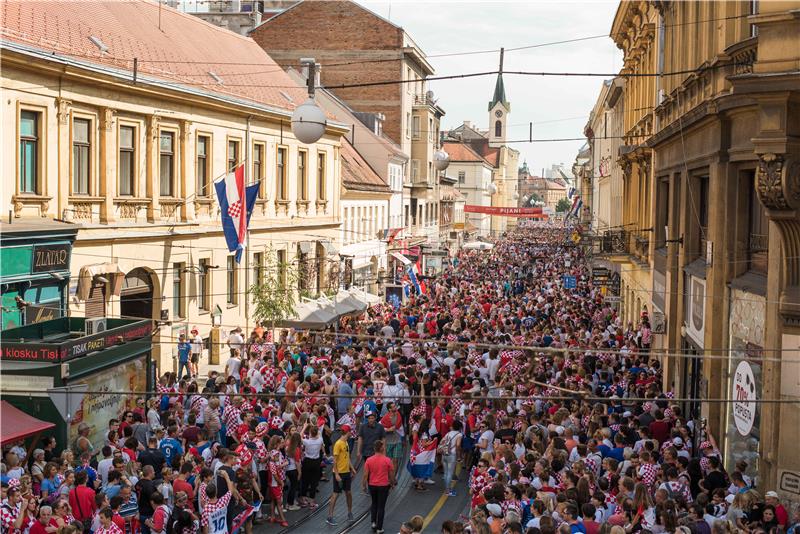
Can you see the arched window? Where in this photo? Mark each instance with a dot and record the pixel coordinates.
(498, 129)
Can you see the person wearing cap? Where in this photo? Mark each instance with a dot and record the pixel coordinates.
(343, 473)
(781, 515)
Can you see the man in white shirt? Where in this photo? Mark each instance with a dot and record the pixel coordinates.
(105, 464)
(197, 349)
(236, 340)
(233, 365)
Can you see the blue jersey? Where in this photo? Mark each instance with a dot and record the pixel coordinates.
(170, 448)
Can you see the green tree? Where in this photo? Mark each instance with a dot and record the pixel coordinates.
(274, 296)
(563, 205)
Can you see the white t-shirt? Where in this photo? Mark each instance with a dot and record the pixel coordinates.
(102, 469)
(450, 439)
(487, 436)
(197, 344)
(232, 367)
(313, 446)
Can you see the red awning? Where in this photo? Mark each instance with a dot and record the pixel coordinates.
(18, 425)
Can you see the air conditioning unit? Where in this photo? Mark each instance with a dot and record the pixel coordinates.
(95, 326)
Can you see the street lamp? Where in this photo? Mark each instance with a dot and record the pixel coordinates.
(308, 120)
(441, 160)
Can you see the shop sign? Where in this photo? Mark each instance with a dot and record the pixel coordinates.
(37, 313)
(54, 352)
(502, 210)
(744, 394)
(789, 483)
(49, 258)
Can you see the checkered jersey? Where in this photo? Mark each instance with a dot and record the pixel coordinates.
(112, 529)
(8, 515)
(211, 507)
(677, 488)
(649, 473)
(232, 416)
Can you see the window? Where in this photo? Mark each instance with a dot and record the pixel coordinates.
(302, 268)
(662, 213)
(408, 125)
(177, 290)
(81, 150)
(416, 127)
(462, 177)
(321, 164)
(233, 281)
(302, 175)
(166, 162)
(127, 159)
(204, 289)
(758, 231)
(702, 215)
(29, 152)
(282, 269)
(430, 129)
(203, 162)
(233, 154)
(498, 129)
(280, 174)
(414, 170)
(753, 11)
(258, 260)
(258, 168)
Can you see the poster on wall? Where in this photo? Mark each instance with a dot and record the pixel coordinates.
(102, 400)
(744, 394)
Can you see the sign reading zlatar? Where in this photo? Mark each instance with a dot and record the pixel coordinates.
(501, 210)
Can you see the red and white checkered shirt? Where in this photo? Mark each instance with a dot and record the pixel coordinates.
(112, 529)
(675, 488)
(233, 418)
(8, 515)
(211, 507)
(649, 473)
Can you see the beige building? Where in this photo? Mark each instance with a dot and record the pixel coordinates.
(129, 150)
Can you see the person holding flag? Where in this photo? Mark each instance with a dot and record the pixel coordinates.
(422, 460)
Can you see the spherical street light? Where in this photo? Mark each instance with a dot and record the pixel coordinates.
(492, 189)
(308, 122)
(441, 160)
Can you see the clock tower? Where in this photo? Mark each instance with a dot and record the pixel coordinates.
(499, 108)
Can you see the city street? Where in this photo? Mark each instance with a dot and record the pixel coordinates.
(483, 267)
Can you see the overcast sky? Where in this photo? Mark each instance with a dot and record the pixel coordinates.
(558, 106)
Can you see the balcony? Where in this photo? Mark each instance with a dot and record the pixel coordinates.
(758, 242)
(614, 242)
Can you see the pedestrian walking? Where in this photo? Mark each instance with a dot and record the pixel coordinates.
(379, 477)
(343, 473)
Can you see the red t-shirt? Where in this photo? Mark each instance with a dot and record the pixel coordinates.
(81, 500)
(38, 528)
(378, 468)
(182, 485)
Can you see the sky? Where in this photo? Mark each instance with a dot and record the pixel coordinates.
(557, 106)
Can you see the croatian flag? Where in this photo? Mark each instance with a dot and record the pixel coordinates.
(423, 459)
(413, 277)
(236, 203)
(571, 192)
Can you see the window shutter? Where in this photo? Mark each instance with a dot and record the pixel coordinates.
(96, 303)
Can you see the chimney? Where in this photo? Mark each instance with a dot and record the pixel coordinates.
(468, 124)
(304, 62)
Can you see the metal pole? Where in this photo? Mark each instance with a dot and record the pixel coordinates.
(247, 232)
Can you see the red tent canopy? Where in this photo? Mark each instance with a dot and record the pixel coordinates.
(16, 424)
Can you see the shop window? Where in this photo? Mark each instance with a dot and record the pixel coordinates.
(204, 286)
(302, 175)
(29, 151)
(81, 156)
(203, 165)
(166, 164)
(233, 281)
(127, 160)
(280, 174)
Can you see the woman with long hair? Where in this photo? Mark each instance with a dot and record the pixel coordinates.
(294, 455)
(644, 514)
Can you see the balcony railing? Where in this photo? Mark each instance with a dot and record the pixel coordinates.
(614, 242)
(758, 242)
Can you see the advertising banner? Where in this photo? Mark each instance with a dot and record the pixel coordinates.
(97, 408)
(500, 210)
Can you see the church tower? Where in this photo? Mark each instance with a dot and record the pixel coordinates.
(499, 108)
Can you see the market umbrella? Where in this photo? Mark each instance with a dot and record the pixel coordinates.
(477, 245)
(310, 315)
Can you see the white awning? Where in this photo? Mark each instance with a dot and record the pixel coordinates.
(401, 258)
(305, 247)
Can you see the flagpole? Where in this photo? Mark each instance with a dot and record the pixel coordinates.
(247, 231)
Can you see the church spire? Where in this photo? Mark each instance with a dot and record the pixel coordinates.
(500, 88)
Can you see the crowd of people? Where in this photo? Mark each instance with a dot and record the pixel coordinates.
(539, 396)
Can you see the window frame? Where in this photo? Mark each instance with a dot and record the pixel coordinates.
(178, 290)
(462, 177)
(322, 169)
(281, 174)
(237, 153)
(39, 146)
(232, 281)
(260, 147)
(416, 127)
(282, 261)
(134, 155)
(173, 185)
(89, 147)
(208, 159)
(302, 175)
(258, 269)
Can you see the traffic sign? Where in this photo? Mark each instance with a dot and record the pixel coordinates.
(570, 282)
